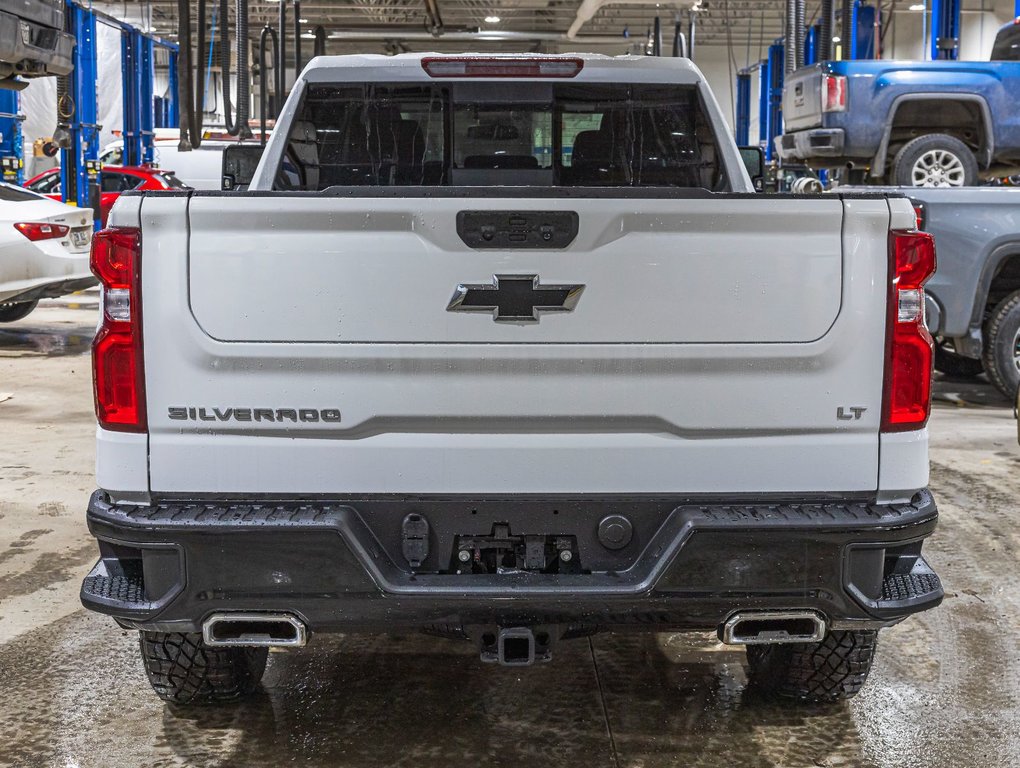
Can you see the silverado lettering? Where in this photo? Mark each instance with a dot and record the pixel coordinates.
(278, 415)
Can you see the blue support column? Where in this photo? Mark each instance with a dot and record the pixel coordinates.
(763, 102)
(863, 29)
(811, 44)
(743, 127)
(12, 155)
(945, 29)
(146, 76)
(130, 68)
(79, 165)
(172, 114)
(775, 96)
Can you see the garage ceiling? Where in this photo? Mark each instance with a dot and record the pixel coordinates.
(357, 26)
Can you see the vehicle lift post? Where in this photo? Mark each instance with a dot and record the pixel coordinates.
(743, 117)
(12, 164)
(773, 94)
(945, 29)
(79, 165)
(137, 75)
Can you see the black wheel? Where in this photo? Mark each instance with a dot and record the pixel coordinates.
(935, 160)
(15, 311)
(952, 364)
(1002, 345)
(832, 670)
(184, 670)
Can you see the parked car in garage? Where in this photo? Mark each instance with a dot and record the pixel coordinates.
(113, 181)
(433, 372)
(909, 123)
(44, 250)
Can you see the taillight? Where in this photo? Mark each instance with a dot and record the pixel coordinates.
(908, 363)
(41, 230)
(117, 350)
(500, 66)
(833, 93)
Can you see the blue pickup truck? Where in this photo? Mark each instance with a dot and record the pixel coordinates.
(910, 123)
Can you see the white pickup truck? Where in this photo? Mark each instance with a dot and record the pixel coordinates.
(506, 348)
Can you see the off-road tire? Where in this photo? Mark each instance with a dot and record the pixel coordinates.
(999, 353)
(952, 364)
(831, 670)
(903, 163)
(184, 670)
(15, 311)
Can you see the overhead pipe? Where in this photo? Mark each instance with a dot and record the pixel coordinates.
(588, 8)
(799, 32)
(826, 27)
(790, 43)
(268, 33)
(435, 19)
(240, 127)
(191, 121)
(281, 55)
(846, 35)
(692, 25)
(679, 43)
(297, 39)
(472, 36)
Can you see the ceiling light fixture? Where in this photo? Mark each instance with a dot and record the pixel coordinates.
(492, 19)
(917, 7)
(835, 39)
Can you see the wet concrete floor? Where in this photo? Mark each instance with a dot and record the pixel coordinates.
(945, 690)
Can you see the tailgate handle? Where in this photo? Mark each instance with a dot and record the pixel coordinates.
(517, 229)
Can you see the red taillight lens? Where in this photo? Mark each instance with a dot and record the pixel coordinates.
(41, 230)
(502, 66)
(117, 350)
(114, 252)
(908, 362)
(833, 93)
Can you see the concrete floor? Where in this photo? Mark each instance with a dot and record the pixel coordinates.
(945, 690)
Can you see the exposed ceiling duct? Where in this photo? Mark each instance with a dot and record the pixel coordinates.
(588, 8)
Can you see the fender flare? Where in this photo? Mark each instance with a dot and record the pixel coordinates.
(879, 161)
(995, 260)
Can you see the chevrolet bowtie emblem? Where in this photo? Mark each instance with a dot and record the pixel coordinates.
(515, 298)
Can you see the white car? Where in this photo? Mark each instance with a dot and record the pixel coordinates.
(44, 250)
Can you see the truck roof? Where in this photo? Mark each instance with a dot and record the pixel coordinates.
(596, 67)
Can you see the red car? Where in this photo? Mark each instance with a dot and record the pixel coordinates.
(114, 180)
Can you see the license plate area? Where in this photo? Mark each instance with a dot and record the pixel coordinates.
(80, 237)
(502, 552)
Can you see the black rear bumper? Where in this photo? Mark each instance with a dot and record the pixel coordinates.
(341, 566)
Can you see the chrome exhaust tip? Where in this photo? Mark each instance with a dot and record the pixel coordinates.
(772, 627)
(254, 629)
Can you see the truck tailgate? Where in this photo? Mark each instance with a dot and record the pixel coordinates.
(378, 271)
(301, 345)
(802, 99)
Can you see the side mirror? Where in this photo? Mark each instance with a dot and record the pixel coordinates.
(239, 164)
(754, 162)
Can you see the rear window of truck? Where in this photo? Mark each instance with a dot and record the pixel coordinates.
(501, 134)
